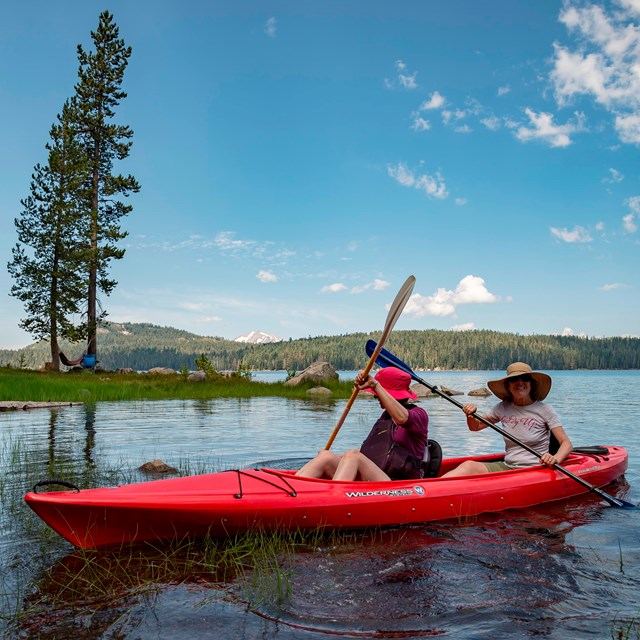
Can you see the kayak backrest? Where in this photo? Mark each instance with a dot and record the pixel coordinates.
(431, 467)
(554, 445)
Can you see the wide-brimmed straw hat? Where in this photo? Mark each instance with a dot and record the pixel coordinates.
(543, 381)
(396, 383)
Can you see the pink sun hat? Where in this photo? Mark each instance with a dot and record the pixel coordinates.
(396, 383)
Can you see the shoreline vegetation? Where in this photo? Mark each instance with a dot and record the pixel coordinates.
(141, 347)
(23, 387)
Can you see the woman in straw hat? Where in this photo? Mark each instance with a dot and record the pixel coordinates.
(523, 415)
(408, 422)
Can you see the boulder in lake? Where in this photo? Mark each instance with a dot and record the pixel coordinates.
(318, 373)
(421, 391)
(161, 371)
(483, 392)
(451, 392)
(197, 376)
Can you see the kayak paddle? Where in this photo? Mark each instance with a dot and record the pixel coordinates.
(387, 359)
(395, 310)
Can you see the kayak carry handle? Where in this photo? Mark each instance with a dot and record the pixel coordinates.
(54, 481)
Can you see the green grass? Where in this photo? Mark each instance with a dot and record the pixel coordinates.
(35, 386)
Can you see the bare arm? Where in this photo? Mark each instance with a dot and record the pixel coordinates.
(564, 449)
(398, 413)
(473, 423)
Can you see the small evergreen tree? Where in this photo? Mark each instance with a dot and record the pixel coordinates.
(47, 259)
(98, 93)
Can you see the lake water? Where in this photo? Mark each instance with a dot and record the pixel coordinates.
(570, 569)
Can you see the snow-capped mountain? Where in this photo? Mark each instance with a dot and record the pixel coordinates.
(257, 337)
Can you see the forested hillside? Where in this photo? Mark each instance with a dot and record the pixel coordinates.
(143, 346)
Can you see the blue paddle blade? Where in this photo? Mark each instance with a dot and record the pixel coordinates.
(387, 359)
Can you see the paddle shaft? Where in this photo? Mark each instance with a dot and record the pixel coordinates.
(395, 310)
(387, 359)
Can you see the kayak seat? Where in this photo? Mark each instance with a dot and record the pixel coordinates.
(554, 445)
(431, 466)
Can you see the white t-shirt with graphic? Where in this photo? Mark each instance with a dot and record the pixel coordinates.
(531, 425)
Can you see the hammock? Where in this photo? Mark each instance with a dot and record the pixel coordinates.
(70, 363)
(88, 361)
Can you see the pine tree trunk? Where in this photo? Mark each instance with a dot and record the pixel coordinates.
(92, 314)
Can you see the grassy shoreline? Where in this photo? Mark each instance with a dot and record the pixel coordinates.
(36, 386)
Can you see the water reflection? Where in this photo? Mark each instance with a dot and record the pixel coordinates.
(57, 415)
(570, 569)
(513, 574)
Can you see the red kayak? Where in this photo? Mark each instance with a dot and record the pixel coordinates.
(231, 502)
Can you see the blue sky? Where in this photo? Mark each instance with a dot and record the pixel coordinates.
(298, 160)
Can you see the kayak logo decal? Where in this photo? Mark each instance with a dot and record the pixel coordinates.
(581, 472)
(419, 490)
(391, 493)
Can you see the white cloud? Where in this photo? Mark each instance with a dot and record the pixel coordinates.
(470, 290)
(502, 91)
(270, 27)
(460, 201)
(492, 123)
(403, 78)
(266, 276)
(333, 288)
(225, 241)
(420, 124)
(467, 326)
(613, 286)
(629, 128)
(380, 285)
(630, 221)
(377, 285)
(208, 319)
(604, 63)
(436, 101)
(614, 177)
(408, 82)
(634, 204)
(401, 175)
(578, 234)
(192, 306)
(434, 186)
(544, 129)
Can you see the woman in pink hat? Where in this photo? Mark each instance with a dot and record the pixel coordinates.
(407, 422)
(522, 414)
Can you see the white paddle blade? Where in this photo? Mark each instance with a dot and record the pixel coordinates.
(397, 306)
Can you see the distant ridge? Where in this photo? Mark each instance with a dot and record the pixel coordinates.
(257, 337)
(142, 346)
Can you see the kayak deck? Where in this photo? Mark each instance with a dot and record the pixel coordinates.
(235, 501)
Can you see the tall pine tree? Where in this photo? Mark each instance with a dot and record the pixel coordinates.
(48, 258)
(98, 93)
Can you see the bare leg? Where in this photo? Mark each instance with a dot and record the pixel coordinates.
(322, 466)
(467, 468)
(356, 466)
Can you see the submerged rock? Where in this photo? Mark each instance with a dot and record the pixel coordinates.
(156, 466)
(319, 391)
